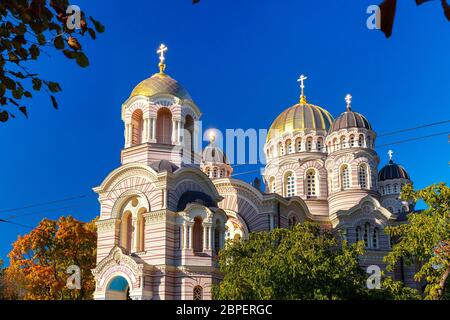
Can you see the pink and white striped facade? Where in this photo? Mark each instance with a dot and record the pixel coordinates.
(164, 214)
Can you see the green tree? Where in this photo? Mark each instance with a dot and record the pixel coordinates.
(27, 29)
(302, 263)
(425, 239)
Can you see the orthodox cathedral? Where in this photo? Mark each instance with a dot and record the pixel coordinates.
(169, 208)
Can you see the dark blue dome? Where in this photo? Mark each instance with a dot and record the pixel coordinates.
(392, 171)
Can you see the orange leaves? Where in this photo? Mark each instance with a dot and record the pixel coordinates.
(39, 260)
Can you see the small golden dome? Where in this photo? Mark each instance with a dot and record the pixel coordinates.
(300, 117)
(161, 83)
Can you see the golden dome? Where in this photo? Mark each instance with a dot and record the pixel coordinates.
(300, 117)
(161, 83)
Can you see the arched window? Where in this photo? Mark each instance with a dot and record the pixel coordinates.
(319, 144)
(208, 172)
(137, 124)
(366, 236)
(222, 173)
(382, 190)
(309, 144)
(126, 230)
(272, 185)
(289, 181)
(197, 293)
(289, 147)
(362, 176)
(352, 141)
(343, 144)
(292, 221)
(214, 173)
(369, 142)
(396, 188)
(311, 184)
(164, 126)
(375, 238)
(335, 144)
(345, 177)
(198, 235)
(298, 144)
(360, 140)
(388, 189)
(280, 149)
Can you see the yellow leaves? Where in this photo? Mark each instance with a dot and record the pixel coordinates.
(39, 260)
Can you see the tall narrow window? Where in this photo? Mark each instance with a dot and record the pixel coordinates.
(309, 144)
(137, 123)
(382, 190)
(126, 231)
(290, 185)
(366, 236)
(343, 144)
(375, 238)
(335, 144)
(281, 149)
(395, 188)
(164, 126)
(289, 147)
(320, 144)
(352, 141)
(272, 185)
(198, 293)
(298, 144)
(363, 176)
(388, 189)
(345, 177)
(198, 235)
(311, 184)
(360, 141)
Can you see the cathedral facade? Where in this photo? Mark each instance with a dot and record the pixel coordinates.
(169, 208)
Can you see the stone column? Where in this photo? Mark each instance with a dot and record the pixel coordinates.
(191, 237)
(185, 236)
(153, 128)
(135, 230)
(211, 238)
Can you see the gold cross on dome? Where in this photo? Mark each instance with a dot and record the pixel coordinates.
(161, 51)
(301, 80)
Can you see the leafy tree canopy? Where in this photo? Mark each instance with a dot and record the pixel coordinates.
(27, 29)
(40, 259)
(425, 239)
(302, 263)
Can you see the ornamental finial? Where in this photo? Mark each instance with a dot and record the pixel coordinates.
(348, 99)
(161, 51)
(301, 80)
(390, 153)
(212, 137)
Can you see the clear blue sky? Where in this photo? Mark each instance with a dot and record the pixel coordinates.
(240, 61)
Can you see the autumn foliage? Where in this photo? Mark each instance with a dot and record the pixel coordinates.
(39, 261)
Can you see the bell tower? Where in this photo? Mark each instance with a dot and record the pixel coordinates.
(161, 121)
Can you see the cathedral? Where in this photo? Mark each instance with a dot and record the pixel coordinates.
(171, 206)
